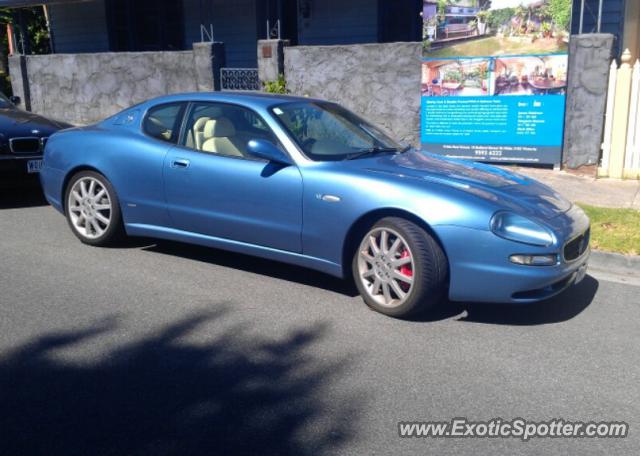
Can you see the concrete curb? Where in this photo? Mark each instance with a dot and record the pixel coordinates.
(615, 263)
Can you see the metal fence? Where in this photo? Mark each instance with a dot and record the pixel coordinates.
(242, 79)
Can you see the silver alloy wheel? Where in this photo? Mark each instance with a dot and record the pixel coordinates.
(89, 206)
(385, 267)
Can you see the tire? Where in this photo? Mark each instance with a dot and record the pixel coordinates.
(86, 214)
(418, 266)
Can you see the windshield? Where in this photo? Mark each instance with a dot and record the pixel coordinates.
(329, 132)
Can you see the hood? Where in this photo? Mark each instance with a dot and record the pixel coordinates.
(504, 188)
(16, 122)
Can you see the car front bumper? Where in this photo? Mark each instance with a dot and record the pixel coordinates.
(13, 170)
(480, 269)
(52, 181)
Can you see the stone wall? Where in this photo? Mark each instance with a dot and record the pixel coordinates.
(85, 88)
(381, 82)
(589, 60)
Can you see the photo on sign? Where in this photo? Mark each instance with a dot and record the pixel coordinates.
(464, 28)
(533, 75)
(455, 77)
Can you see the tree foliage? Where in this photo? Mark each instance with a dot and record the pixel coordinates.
(36, 28)
(36, 33)
(499, 17)
(278, 86)
(559, 11)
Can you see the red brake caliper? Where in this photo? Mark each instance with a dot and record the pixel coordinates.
(405, 270)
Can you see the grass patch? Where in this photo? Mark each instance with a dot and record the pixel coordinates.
(614, 230)
(498, 46)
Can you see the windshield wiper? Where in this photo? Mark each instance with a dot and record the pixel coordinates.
(370, 151)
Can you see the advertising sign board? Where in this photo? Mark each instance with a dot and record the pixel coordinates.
(494, 79)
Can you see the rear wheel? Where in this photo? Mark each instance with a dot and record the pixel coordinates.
(399, 268)
(92, 209)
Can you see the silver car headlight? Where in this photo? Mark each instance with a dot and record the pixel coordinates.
(517, 228)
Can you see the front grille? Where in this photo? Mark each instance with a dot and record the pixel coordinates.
(25, 145)
(576, 247)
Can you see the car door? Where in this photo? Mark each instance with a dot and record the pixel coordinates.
(214, 187)
(137, 162)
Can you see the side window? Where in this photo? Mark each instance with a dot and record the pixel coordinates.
(224, 129)
(163, 122)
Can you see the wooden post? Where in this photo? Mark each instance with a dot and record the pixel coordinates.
(620, 117)
(47, 18)
(635, 160)
(603, 171)
(632, 139)
(11, 39)
(24, 33)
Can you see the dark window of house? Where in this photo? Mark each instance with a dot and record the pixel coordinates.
(399, 20)
(282, 12)
(163, 122)
(145, 25)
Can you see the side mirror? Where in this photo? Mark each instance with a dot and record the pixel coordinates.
(15, 100)
(266, 150)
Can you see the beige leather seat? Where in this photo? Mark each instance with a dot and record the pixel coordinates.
(198, 131)
(220, 138)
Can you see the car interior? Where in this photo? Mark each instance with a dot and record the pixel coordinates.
(157, 128)
(225, 130)
(214, 129)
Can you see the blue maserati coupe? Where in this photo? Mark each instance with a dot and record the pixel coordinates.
(308, 182)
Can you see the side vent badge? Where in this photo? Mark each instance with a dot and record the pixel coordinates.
(329, 198)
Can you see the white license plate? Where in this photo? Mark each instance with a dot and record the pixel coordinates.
(581, 274)
(34, 166)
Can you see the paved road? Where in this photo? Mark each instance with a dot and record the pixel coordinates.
(161, 348)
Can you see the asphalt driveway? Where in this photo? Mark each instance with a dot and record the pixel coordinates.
(163, 348)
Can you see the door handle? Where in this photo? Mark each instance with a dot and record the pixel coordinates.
(180, 163)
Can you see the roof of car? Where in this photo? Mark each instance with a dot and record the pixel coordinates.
(255, 99)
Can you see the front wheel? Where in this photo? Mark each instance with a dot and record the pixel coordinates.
(399, 269)
(92, 209)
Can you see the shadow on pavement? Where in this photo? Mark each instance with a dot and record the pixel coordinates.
(557, 309)
(234, 394)
(563, 307)
(256, 265)
(444, 311)
(24, 195)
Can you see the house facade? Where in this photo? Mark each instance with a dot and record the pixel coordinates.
(618, 17)
(83, 26)
(88, 26)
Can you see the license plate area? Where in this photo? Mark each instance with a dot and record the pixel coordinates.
(581, 273)
(34, 166)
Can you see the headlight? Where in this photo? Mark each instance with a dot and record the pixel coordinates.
(520, 229)
(535, 260)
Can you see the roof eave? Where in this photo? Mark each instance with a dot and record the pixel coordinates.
(26, 3)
